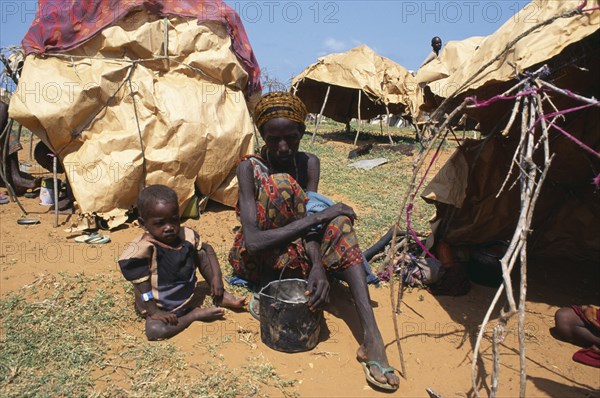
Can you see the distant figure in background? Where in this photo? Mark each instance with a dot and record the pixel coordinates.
(436, 45)
(580, 325)
(21, 182)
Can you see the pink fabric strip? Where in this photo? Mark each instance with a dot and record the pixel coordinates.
(500, 97)
(410, 206)
(575, 140)
(569, 136)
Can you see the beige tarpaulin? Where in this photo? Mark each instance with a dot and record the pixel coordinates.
(533, 48)
(118, 125)
(565, 220)
(381, 80)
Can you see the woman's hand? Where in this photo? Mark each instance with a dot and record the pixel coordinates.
(318, 288)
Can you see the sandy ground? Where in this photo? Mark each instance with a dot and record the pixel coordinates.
(437, 333)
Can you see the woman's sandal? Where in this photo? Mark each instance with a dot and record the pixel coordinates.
(384, 386)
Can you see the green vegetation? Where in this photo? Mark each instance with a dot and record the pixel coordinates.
(72, 341)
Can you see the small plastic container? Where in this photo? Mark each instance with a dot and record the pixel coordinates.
(47, 191)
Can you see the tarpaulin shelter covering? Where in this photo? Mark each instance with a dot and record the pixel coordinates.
(135, 93)
(566, 218)
(381, 82)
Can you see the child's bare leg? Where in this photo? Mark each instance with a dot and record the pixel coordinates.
(572, 329)
(158, 330)
(231, 301)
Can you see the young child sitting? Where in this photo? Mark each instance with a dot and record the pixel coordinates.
(162, 264)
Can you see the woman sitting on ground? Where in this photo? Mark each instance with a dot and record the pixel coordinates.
(278, 237)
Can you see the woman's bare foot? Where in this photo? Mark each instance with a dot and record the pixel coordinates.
(207, 314)
(230, 301)
(379, 356)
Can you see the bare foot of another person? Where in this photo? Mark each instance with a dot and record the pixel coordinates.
(207, 314)
(22, 185)
(382, 375)
(21, 182)
(230, 301)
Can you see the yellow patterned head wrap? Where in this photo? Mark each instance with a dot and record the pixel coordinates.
(279, 104)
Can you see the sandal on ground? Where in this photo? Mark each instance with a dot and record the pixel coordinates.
(98, 240)
(384, 386)
(85, 237)
(95, 238)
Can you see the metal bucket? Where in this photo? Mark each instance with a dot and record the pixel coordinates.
(286, 322)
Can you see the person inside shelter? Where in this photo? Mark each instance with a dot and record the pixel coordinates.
(279, 239)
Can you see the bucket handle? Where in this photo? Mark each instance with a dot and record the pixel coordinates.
(279, 284)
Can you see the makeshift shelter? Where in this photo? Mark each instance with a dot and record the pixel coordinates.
(355, 84)
(473, 208)
(135, 93)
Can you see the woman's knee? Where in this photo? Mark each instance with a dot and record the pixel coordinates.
(342, 220)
